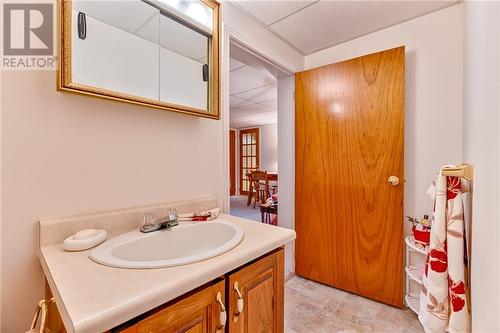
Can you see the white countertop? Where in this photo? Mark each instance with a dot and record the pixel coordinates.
(94, 298)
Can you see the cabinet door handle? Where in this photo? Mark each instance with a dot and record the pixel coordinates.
(222, 314)
(239, 304)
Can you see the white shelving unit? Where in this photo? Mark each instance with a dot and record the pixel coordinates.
(414, 273)
(414, 246)
(416, 254)
(413, 302)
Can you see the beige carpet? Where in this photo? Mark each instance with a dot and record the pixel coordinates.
(238, 207)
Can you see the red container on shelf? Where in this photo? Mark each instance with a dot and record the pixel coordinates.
(422, 236)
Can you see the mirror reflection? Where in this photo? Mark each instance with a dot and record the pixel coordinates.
(184, 71)
(160, 50)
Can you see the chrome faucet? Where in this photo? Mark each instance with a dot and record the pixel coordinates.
(166, 222)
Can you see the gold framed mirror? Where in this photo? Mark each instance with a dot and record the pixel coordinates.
(158, 53)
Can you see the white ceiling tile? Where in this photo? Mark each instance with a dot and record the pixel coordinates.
(262, 94)
(130, 16)
(235, 102)
(254, 120)
(327, 23)
(182, 40)
(247, 78)
(272, 103)
(149, 29)
(234, 64)
(250, 109)
(253, 96)
(270, 11)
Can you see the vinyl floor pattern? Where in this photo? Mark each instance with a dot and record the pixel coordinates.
(311, 307)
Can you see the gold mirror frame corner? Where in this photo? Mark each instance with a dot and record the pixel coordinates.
(65, 83)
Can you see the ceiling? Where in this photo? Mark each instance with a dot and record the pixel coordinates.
(310, 26)
(253, 95)
(145, 21)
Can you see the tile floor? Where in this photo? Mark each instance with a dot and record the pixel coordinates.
(238, 207)
(311, 307)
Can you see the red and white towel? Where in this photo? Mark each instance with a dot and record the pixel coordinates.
(443, 302)
(206, 215)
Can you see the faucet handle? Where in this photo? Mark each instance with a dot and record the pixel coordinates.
(148, 224)
(171, 214)
(148, 218)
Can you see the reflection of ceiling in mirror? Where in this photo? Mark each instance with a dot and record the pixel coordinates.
(136, 17)
(253, 96)
(195, 10)
(145, 21)
(183, 40)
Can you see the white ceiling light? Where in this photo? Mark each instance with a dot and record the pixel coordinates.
(173, 3)
(200, 13)
(194, 11)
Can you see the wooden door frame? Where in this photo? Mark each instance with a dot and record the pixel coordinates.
(255, 130)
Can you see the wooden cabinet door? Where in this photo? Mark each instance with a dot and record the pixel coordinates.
(199, 312)
(259, 287)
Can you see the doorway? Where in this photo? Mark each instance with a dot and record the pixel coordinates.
(251, 113)
(253, 118)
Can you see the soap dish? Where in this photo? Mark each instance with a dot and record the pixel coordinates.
(84, 240)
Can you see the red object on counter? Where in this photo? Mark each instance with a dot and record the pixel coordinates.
(423, 236)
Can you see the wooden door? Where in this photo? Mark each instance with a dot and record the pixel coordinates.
(198, 312)
(349, 140)
(260, 288)
(232, 162)
(249, 156)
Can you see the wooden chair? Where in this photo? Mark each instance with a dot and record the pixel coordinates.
(260, 184)
(250, 190)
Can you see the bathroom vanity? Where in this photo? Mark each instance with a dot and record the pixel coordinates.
(241, 290)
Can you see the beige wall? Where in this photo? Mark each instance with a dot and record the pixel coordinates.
(433, 93)
(286, 161)
(64, 154)
(269, 147)
(482, 147)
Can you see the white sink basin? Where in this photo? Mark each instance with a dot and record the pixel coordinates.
(183, 244)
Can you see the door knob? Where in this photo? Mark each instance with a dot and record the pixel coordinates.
(393, 180)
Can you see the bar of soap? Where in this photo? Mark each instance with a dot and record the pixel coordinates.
(84, 240)
(86, 233)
